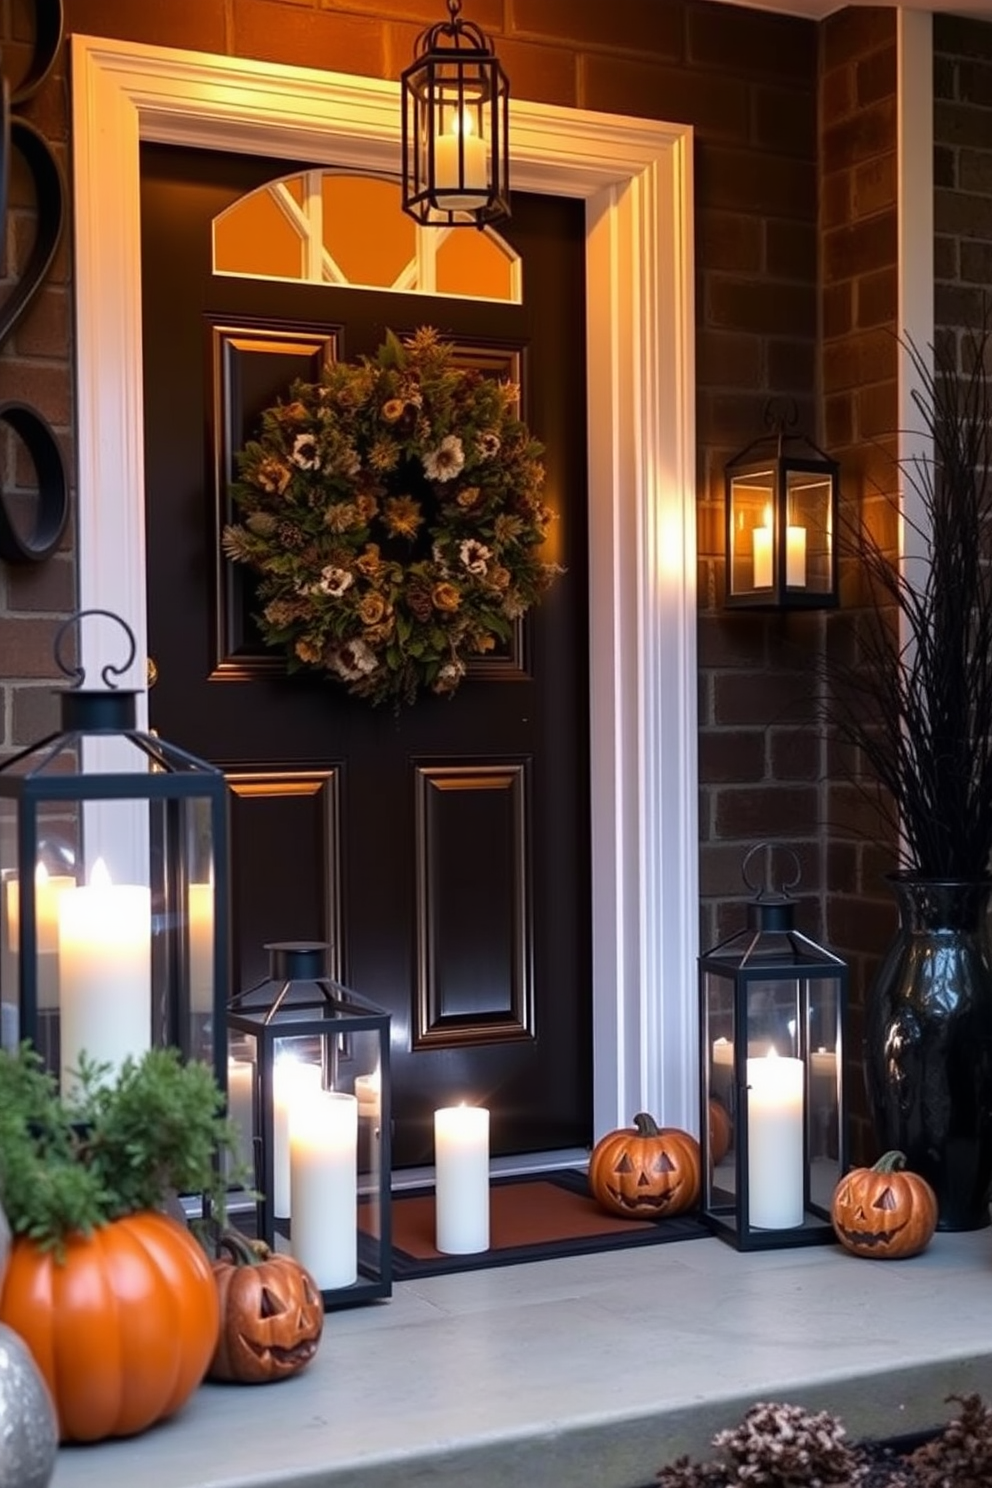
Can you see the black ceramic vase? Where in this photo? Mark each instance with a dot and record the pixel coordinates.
(928, 1044)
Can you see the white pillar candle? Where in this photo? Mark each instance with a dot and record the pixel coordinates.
(795, 557)
(475, 166)
(461, 1179)
(291, 1079)
(761, 540)
(775, 1142)
(368, 1090)
(200, 923)
(47, 889)
(105, 972)
(323, 1164)
(240, 1108)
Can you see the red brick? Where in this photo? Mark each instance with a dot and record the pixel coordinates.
(877, 297)
(42, 587)
(728, 240)
(838, 308)
(791, 364)
(48, 389)
(737, 39)
(45, 330)
(750, 182)
(794, 754)
(791, 250)
(860, 248)
(767, 811)
(875, 185)
(543, 73)
(784, 120)
(35, 713)
(180, 23)
(651, 91)
(771, 309)
(728, 359)
(877, 410)
(849, 34)
(732, 755)
(871, 131)
(624, 25)
(308, 38)
(856, 360)
(876, 76)
(26, 648)
(837, 94)
(836, 198)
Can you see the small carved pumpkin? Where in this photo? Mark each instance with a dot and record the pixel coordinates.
(645, 1172)
(271, 1313)
(884, 1212)
(721, 1130)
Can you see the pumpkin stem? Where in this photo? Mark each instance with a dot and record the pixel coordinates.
(243, 1252)
(890, 1162)
(646, 1125)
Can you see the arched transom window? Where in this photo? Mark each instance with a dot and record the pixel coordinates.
(334, 227)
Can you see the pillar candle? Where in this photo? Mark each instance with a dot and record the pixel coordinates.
(323, 1163)
(761, 539)
(461, 1157)
(200, 921)
(47, 889)
(775, 1142)
(368, 1089)
(105, 975)
(475, 167)
(291, 1079)
(795, 557)
(240, 1108)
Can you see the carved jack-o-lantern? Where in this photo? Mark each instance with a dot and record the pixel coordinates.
(271, 1313)
(645, 1172)
(884, 1212)
(721, 1130)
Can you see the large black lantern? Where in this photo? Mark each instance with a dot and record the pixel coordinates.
(455, 99)
(772, 1126)
(781, 523)
(310, 1092)
(114, 864)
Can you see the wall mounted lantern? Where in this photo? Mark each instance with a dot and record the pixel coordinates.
(455, 99)
(310, 1092)
(113, 899)
(781, 522)
(773, 1131)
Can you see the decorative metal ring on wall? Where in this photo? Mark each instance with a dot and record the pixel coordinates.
(41, 443)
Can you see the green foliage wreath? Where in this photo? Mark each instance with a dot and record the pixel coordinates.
(394, 514)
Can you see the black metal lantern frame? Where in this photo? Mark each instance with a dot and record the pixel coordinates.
(781, 501)
(308, 1057)
(455, 102)
(772, 1118)
(114, 891)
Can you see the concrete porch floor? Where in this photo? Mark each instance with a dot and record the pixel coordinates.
(589, 1372)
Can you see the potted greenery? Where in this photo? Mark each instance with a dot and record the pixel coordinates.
(115, 1297)
(909, 691)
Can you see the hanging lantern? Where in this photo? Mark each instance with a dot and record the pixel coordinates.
(113, 886)
(773, 1130)
(781, 523)
(309, 1084)
(455, 100)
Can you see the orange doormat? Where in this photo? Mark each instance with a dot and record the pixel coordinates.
(530, 1218)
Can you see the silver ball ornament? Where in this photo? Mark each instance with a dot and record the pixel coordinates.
(29, 1431)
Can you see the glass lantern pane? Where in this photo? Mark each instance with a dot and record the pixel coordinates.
(752, 508)
(809, 534)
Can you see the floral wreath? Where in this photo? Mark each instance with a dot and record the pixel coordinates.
(393, 511)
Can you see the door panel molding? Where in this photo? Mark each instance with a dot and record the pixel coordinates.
(472, 847)
(635, 176)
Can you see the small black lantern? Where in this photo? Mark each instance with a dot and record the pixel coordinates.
(310, 1092)
(781, 522)
(772, 1120)
(113, 877)
(455, 100)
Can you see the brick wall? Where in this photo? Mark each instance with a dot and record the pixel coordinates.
(860, 383)
(962, 173)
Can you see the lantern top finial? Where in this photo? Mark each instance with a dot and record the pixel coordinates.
(772, 908)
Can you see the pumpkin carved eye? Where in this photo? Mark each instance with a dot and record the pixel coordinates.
(663, 1163)
(885, 1200)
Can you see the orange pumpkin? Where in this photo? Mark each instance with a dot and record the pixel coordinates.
(884, 1212)
(721, 1130)
(645, 1171)
(122, 1329)
(271, 1313)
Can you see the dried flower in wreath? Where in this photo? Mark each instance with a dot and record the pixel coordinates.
(394, 515)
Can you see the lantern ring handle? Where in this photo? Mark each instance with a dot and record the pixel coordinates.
(760, 891)
(109, 672)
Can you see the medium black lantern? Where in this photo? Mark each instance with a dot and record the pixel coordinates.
(114, 863)
(455, 98)
(781, 522)
(310, 1091)
(772, 1130)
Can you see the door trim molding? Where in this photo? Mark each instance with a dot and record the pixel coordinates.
(635, 176)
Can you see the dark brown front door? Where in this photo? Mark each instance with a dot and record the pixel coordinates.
(442, 851)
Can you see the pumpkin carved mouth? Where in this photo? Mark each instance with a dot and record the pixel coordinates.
(295, 1356)
(872, 1239)
(655, 1201)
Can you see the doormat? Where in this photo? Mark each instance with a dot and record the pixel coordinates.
(533, 1218)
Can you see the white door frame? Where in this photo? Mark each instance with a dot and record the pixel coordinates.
(635, 176)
